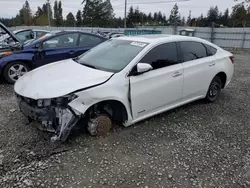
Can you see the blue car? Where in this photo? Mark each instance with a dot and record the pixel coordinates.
(17, 58)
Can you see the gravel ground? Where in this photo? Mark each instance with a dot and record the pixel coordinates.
(197, 145)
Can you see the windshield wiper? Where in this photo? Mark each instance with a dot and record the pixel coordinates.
(87, 65)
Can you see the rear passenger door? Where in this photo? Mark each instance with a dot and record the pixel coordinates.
(199, 69)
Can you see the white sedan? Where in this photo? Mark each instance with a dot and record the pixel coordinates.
(125, 80)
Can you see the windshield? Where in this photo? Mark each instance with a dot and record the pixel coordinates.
(112, 55)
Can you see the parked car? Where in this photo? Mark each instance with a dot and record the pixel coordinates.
(117, 35)
(24, 35)
(49, 48)
(114, 35)
(126, 80)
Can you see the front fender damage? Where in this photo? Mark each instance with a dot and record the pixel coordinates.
(67, 120)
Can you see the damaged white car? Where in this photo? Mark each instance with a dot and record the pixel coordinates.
(123, 80)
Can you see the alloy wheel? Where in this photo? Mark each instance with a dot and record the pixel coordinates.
(16, 71)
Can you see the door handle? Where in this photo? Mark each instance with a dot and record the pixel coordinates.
(176, 74)
(211, 64)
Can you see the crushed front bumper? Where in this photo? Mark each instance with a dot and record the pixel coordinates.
(38, 114)
(52, 118)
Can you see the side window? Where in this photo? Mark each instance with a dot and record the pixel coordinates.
(211, 50)
(162, 56)
(193, 50)
(89, 40)
(61, 41)
(40, 33)
(24, 36)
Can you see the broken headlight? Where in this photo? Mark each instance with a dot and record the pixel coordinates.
(60, 101)
(65, 99)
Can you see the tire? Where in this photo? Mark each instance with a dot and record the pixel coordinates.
(15, 70)
(214, 90)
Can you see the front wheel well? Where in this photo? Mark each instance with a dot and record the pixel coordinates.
(113, 108)
(223, 78)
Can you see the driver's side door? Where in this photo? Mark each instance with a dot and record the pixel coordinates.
(160, 88)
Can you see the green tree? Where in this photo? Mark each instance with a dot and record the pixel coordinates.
(58, 13)
(155, 16)
(239, 15)
(183, 21)
(25, 14)
(130, 17)
(202, 21)
(193, 22)
(225, 18)
(119, 22)
(78, 18)
(189, 18)
(45, 9)
(41, 15)
(150, 17)
(17, 20)
(159, 17)
(174, 18)
(98, 13)
(70, 20)
(137, 17)
(164, 18)
(39, 12)
(213, 14)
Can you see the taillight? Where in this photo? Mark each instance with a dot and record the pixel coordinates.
(232, 58)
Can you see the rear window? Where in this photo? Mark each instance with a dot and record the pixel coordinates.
(192, 50)
(211, 50)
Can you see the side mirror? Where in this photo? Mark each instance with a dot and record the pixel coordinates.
(143, 67)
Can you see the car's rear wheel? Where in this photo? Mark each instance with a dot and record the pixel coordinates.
(13, 71)
(214, 89)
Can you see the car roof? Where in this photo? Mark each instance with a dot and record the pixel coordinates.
(158, 38)
(71, 31)
(40, 30)
(21, 30)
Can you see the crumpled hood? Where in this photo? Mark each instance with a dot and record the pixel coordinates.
(58, 79)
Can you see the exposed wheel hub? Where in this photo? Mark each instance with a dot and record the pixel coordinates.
(99, 126)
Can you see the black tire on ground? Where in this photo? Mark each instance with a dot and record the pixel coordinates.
(15, 64)
(214, 90)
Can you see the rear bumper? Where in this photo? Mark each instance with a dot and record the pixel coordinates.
(230, 74)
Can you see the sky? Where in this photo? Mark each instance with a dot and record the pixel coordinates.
(9, 8)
